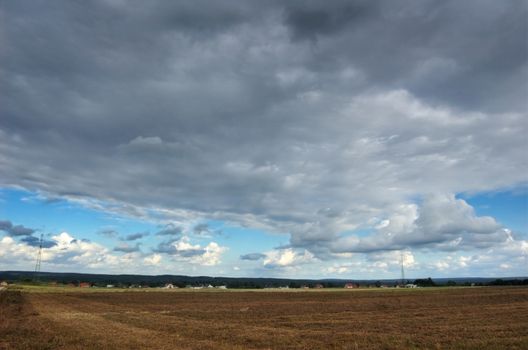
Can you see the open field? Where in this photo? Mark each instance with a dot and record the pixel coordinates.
(444, 318)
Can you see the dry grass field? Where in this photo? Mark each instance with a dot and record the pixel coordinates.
(447, 318)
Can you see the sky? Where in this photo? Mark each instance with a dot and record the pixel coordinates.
(299, 139)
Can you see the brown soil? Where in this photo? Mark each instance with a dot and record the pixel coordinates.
(458, 318)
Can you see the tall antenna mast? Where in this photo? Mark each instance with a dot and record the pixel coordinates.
(39, 259)
(402, 271)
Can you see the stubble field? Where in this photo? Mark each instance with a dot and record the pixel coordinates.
(444, 318)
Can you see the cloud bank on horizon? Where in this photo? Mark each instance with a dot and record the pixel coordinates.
(349, 128)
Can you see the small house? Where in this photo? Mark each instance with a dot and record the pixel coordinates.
(3, 284)
(169, 286)
(318, 286)
(85, 285)
(350, 285)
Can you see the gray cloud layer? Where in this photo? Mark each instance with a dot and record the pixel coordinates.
(252, 256)
(170, 230)
(15, 230)
(135, 236)
(25, 234)
(310, 118)
(441, 222)
(35, 242)
(126, 248)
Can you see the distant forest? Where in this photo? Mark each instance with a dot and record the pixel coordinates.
(102, 280)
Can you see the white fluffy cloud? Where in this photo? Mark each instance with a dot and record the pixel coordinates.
(183, 250)
(507, 258)
(71, 254)
(211, 256)
(384, 264)
(441, 221)
(67, 253)
(283, 258)
(15, 252)
(154, 259)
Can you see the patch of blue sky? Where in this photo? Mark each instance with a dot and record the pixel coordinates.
(510, 208)
(52, 217)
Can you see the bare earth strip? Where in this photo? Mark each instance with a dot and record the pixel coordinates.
(457, 318)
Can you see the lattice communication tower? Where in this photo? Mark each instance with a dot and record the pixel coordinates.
(39, 259)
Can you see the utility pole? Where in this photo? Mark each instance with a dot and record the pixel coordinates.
(402, 271)
(39, 259)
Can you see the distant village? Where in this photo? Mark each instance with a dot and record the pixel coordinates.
(209, 286)
(170, 282)
(349, 285)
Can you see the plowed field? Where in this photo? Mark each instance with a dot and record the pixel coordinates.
(448, 318)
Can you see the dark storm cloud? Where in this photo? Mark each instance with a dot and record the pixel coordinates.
(313, 19)
(449, 52)
(309, 118)
(15, 230)
(252, 256)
